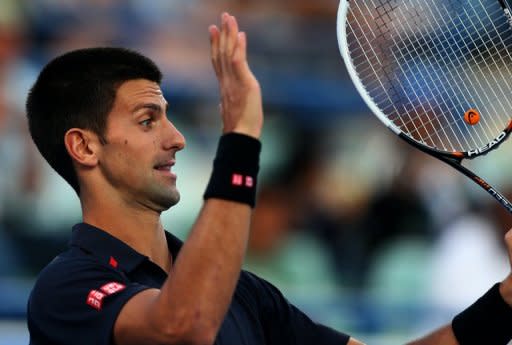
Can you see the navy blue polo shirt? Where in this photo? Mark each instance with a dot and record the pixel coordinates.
(78, 296)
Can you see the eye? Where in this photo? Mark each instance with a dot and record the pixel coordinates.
(147, 122)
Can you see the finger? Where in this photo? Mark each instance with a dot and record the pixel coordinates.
(241, 67)
(232, 35)
(223, 36)
(214, 47)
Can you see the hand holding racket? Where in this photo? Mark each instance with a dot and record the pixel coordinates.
(438, 73)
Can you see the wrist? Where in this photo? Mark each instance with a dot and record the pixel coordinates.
(253, 133)
(235, 169)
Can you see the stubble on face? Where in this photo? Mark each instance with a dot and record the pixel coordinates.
(135, 160)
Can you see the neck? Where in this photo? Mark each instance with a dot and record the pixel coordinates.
(135, 225)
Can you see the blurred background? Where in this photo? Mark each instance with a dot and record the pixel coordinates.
(360, 231)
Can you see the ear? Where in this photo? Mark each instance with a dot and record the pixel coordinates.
(83, 146)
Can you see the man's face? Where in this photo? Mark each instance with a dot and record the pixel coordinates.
(141, 147)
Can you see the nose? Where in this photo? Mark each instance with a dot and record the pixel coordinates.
(173, 139)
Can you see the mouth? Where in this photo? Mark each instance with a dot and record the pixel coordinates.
(165, 168)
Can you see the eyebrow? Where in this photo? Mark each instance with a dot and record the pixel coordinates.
(152, 106)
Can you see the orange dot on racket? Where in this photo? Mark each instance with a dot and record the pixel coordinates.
(472, 117)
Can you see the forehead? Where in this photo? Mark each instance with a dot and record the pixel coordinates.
(132, 92)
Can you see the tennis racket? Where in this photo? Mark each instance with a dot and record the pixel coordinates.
(438, 73)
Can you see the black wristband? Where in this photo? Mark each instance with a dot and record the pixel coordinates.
(487, 321)
(235, 169)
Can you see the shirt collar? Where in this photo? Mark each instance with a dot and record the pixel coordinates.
(112, 250)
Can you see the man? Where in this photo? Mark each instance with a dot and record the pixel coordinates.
(98, 116)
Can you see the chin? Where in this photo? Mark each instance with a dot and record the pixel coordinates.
(161, 198)
(167, 201)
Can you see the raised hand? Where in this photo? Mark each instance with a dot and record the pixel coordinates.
(241, 104)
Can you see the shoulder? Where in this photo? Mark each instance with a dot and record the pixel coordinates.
(77, 293)
(66, 282)
(68, 270)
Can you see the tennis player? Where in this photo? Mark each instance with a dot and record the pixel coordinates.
(99, 118)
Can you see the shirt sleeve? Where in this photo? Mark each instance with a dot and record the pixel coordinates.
(79, 307)
(284, 323)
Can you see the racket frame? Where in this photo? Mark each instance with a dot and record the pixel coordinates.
(454, 159)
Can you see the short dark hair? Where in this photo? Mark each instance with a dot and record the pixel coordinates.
(77, 90)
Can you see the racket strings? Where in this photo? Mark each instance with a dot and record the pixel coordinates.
(358, 30)
(438, 107)
(411, 120)
(458, 80)
(425, 63)
(397, 94)
(467, 77)
(501, 65)
(460, 90)
(489, 61)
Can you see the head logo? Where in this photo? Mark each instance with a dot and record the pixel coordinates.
(472, 117)
(489, 146)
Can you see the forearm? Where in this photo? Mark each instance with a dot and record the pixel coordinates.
(191, 304)
(206, 271)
